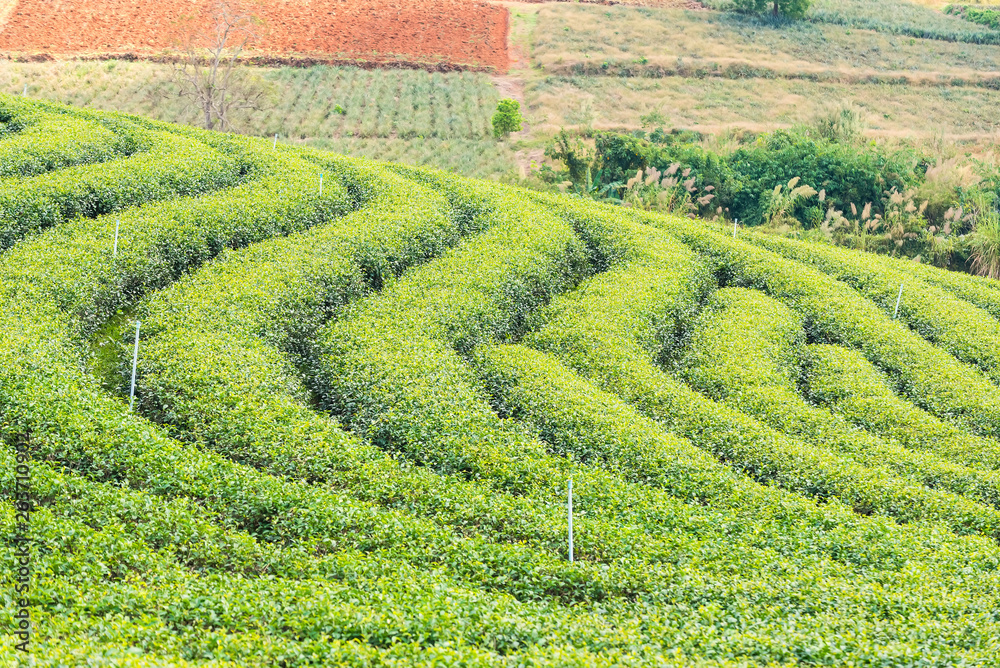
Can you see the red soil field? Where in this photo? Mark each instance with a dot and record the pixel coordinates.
(446, 34)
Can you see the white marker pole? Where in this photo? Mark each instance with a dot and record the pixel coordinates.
(135, 360)
(25, 90)
(275, 140)
(899, 297)
(321, 184)
(734, 227)
(117, 225)
(569, 514)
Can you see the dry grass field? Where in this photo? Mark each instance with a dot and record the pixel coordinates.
(586, 67)
(578, 38)
(713, 104)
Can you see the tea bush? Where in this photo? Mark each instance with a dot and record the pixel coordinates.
(358, 410)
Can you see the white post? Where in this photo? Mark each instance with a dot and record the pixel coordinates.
(25, 90)
(569, 514)
(135, 360)
(275, 140)
(117, 225)
(899, 297)
(734, 227)
(321, 184)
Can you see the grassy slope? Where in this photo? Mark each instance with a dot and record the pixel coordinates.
(918, 18)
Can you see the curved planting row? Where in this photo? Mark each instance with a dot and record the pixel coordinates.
(745, 351)
(835, 313)
(112, 446)
(236, 340)
(418, 395)
(358, 410)
(173, 577)
(142, 162)
(35, 139)
(600, 336)
(966, 331)
(853, 387)
(980, 291)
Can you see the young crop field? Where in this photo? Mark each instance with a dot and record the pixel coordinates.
(441, 119)
(265, 405)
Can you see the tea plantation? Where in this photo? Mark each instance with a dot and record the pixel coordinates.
(362, 390)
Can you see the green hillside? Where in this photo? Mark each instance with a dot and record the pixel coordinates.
(363, 389)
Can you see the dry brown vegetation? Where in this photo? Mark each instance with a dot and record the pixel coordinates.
(717, 104)
(576, 39)
(591, 67)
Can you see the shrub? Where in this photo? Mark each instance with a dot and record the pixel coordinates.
(848, 175)
(745, 351)
(835, 313)
(987, 16)
(507, 118)
(848, 383)
(962, 329)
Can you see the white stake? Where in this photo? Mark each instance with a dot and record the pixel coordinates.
(900, 296)
(25, 90)
(734, 227)
(275, 140)
(135, 360)
(321, 183)
(569, 515)
(117, 225)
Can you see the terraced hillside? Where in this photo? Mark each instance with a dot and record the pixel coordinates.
(359, 405)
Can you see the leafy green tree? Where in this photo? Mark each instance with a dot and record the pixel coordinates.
(795, 9)
(507, 118)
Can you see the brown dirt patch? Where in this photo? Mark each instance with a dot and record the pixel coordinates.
(462, 33)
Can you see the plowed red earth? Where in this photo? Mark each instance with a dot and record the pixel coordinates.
(463, 33)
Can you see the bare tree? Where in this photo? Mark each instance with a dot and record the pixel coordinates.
(210, 71)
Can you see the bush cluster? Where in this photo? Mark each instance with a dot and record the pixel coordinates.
(743, 180)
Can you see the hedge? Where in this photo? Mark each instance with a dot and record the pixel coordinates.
(745, 351)
(173, 166)
(967, 332)
(851, 386)
(835, 313)
(398, 379)
(35, 141)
